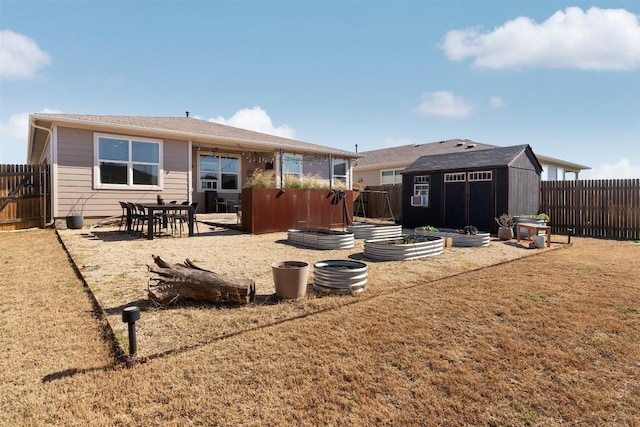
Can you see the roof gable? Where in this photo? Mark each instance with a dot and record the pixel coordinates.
(487, 158)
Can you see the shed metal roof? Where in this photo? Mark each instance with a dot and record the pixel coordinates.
(486, 158)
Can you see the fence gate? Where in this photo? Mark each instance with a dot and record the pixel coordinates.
(24, 196)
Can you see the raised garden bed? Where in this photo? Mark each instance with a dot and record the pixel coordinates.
(342, 277)
(320, 238)
(403, 248)
(458, 239)
(375, 231)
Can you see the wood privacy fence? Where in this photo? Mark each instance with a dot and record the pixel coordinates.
(607, 208)
(379, 202)
(593, 208)
(24, 196)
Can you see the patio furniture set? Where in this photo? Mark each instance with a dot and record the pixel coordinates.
(157, 217)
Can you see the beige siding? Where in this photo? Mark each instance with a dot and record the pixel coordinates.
(75, 190)
(368, 177)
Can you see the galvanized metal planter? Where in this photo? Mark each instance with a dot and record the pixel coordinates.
(403, 248)
(320, 238)
(458, 239)
(341, 277)
(374, 231)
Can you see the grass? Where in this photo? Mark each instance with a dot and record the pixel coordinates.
(464, 350)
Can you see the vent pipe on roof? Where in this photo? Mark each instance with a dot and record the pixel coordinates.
(187, 113)
(471, 145)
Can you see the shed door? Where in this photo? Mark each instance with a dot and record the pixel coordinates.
(455, 200)
(481, 206)
(469, 200)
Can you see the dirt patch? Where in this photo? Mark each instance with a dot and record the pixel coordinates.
(114, 264)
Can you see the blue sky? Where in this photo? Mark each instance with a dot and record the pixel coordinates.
(562, 76)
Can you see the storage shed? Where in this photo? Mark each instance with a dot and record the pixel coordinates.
(471, 188)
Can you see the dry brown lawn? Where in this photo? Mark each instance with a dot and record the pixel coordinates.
(479, 336)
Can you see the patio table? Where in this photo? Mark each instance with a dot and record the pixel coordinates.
(154, 207)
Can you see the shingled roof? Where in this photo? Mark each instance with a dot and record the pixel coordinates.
(406, 154)
(196, 130)
(486, 158)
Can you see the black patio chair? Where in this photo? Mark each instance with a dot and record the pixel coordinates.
(123, 218)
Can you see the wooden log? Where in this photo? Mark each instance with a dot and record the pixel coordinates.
(189, 281)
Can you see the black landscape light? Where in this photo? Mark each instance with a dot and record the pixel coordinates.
(129, 316)
(569, 233)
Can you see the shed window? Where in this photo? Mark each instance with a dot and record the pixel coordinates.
(455, 177)
(218, 172)
(420, 195)
(480, 176)
(122, 162)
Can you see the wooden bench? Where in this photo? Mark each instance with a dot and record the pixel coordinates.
(534, 228)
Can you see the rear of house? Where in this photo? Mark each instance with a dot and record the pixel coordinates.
(96, 161)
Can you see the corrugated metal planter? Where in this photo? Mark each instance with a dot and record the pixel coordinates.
(403, 248)
(320, 238)
(341, 277)
(458, 239)
(375, 231)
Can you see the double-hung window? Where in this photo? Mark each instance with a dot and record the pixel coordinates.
(420, 191)
(340, 170)
(218, 172)
(127, 162)
(390, 177)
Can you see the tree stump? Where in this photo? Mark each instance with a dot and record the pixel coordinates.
(189, 281)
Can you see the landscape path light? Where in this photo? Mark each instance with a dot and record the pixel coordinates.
(130, 315)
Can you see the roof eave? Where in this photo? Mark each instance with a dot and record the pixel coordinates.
(196, 137)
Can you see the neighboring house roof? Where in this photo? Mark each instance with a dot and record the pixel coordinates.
(189, 128)
(567, 166)
(404, 155)
(487, 158)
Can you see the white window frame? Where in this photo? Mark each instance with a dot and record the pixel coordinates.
(480, 176)
(343, 178)
(397, 177)
(220, 172)
(97, 180)
(455, 177)
(421, 185)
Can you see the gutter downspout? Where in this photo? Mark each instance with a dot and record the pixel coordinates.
(50, 132)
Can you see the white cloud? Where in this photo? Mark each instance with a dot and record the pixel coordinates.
(496, 102)
(256, 119)
(623, 169)
(598, 39)
(444, 104)
(20, 56)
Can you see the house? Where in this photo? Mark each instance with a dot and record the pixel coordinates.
(96, 161)
(384, 166)
(454, 190)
